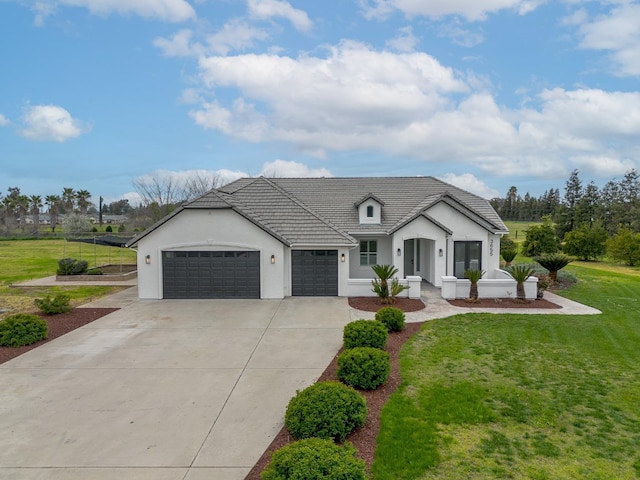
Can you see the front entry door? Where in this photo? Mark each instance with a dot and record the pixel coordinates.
(409, 257)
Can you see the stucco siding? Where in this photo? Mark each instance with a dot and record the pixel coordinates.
(215, 230)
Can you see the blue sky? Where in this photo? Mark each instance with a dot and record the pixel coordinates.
(483, 94)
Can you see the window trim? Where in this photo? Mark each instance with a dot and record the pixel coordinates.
(466, 244)
(368, 255)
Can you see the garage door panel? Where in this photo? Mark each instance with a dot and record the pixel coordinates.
(206, 274)
(314, 272)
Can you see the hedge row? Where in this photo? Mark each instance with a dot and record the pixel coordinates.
(327, 412)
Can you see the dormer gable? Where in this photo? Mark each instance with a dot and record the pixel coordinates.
(370, 209)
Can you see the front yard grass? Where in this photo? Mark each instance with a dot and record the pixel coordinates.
(22, 260)
(522, 396)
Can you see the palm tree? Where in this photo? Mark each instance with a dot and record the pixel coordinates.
(52, 201)
(22, 204)
(82, 197)
(520, 274)
(68, 199)
(8, 210)
(474, 275)
(381, 284)
(36, 205)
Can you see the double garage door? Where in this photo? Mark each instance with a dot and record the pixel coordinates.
(208, 274)
(236, 274)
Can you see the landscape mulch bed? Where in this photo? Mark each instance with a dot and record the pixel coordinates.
(502, 303)
(58, 326)
(372, 304)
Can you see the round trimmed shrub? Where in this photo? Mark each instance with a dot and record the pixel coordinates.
(364, 367)
(392, 317)
(22, 329)
(315, 459)
(364, 333)
(329, 410)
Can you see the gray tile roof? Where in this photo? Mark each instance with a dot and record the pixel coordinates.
(322, 211)
(403, 198)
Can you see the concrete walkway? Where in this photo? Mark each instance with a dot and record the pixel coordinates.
(438, 307)
(163, 390)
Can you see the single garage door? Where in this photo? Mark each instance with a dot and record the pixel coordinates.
(314, 272)
(211, 274)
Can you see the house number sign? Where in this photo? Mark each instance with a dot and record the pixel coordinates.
(491, 247)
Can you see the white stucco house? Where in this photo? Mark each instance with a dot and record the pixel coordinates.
(277, 237)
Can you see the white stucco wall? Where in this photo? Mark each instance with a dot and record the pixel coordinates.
(464, 229)
(385, 256)
(433, 238)
(212, 230)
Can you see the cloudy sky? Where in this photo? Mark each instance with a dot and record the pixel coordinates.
(484, 94)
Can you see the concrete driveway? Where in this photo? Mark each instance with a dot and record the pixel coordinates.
(163, 390)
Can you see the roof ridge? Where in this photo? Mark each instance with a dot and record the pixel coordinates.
(301, 204)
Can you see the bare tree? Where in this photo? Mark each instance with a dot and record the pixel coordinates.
(159, 188)
(163, 191)
(200, 182)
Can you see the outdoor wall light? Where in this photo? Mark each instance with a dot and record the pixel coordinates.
(399, 252)
(440, 253)
(273, 259)
(342, 258)
(147, 259)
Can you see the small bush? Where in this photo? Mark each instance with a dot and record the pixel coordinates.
(52, 306)
(392, 318)
(71, 266)
(315, 459)
(108, 229)
(328, 410)
(365, 333)
(22, 329)
(365, 368)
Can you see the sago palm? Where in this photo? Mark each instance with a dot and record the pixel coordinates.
(520, 274)
(473, 275)
(381, 284)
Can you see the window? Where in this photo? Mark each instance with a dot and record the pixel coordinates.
(467, 256)
(370, 211)
(368, 252)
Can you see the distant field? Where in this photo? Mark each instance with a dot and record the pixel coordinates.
(518, 230)
(29, 259)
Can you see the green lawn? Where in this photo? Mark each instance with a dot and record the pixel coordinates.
(22, 260)
(519, 396)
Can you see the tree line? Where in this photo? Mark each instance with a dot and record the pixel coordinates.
(585, 222)
(616, 205)
(160, 194)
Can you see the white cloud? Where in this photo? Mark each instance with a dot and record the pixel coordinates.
(406, 41)
(4, 121)
(459, 35)
(616, 32)
(472, 10)
(235, 35)
(313, 100)
(267, 9)
(284, 168)
(51, 122)
(178, 45)
(470, 183)
(411, 106)
(166, 10)
(42, 10)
